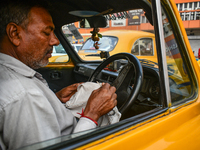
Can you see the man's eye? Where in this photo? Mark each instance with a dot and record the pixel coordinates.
(46, 33)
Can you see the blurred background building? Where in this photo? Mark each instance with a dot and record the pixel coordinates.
(190, 13)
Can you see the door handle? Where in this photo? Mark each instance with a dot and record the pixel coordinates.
(55, 75)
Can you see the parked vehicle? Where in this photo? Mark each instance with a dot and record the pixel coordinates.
(59, 54)
(139, 43)
(77, 47)
(159, 102)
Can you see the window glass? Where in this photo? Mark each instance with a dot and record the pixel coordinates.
(105, 43)
(143, 47)
(59, 54)
(179, 81)
(118, 36)
(190, 5)
(146, 47)
(181, 6)
(135, 48)
(195, 5)
(185, 5)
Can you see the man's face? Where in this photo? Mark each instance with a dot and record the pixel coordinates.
(38, 39)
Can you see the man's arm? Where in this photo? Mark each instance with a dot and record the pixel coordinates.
(100, 102)
(66, 93)
(32, 118)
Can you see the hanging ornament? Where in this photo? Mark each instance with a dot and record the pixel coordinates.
(95, 37)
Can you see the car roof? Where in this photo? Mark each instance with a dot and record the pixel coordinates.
(124, 33)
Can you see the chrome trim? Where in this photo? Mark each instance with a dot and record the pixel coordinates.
(162, 47)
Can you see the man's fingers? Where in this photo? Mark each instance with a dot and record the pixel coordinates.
(108, 86)
(115, 102)
(112, 89)
(114, 97)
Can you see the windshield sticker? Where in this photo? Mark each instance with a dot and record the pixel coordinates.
(75, 31)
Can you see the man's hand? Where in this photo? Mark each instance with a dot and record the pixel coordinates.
(101, 101)
(66, 93)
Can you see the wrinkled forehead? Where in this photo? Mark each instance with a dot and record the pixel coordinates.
(40, 15)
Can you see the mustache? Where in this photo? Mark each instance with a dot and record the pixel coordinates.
(50, 50)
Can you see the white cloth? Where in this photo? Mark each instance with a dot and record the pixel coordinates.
(79, 100)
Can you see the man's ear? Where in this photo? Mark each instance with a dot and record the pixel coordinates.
(12, 31)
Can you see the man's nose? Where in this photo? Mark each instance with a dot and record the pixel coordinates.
(54, 40)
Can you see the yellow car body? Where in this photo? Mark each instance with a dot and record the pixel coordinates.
(198, 62)
(59, 58)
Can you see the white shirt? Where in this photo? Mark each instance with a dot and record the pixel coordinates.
(29, 111)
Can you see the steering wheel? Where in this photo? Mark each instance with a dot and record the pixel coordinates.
(126, 95)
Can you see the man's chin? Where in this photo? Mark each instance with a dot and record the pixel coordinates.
(40, 65)
(45, 64)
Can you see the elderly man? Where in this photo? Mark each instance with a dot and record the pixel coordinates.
(29, 111)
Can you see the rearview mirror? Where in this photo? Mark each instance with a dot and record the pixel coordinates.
(91, 19)
(93, 22)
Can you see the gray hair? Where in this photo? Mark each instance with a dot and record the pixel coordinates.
(17, 11)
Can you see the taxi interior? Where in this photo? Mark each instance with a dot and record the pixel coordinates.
(145, 89)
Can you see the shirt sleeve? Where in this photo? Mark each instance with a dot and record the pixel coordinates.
(84, 124)
(31, 118)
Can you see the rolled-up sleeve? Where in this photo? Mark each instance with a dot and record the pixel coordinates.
(84, 124)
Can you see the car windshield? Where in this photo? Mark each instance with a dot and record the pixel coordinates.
(120, 35)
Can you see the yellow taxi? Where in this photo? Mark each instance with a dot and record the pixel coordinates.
(139, 43)
(160, 105)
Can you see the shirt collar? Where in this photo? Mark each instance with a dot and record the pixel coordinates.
(16, 65)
